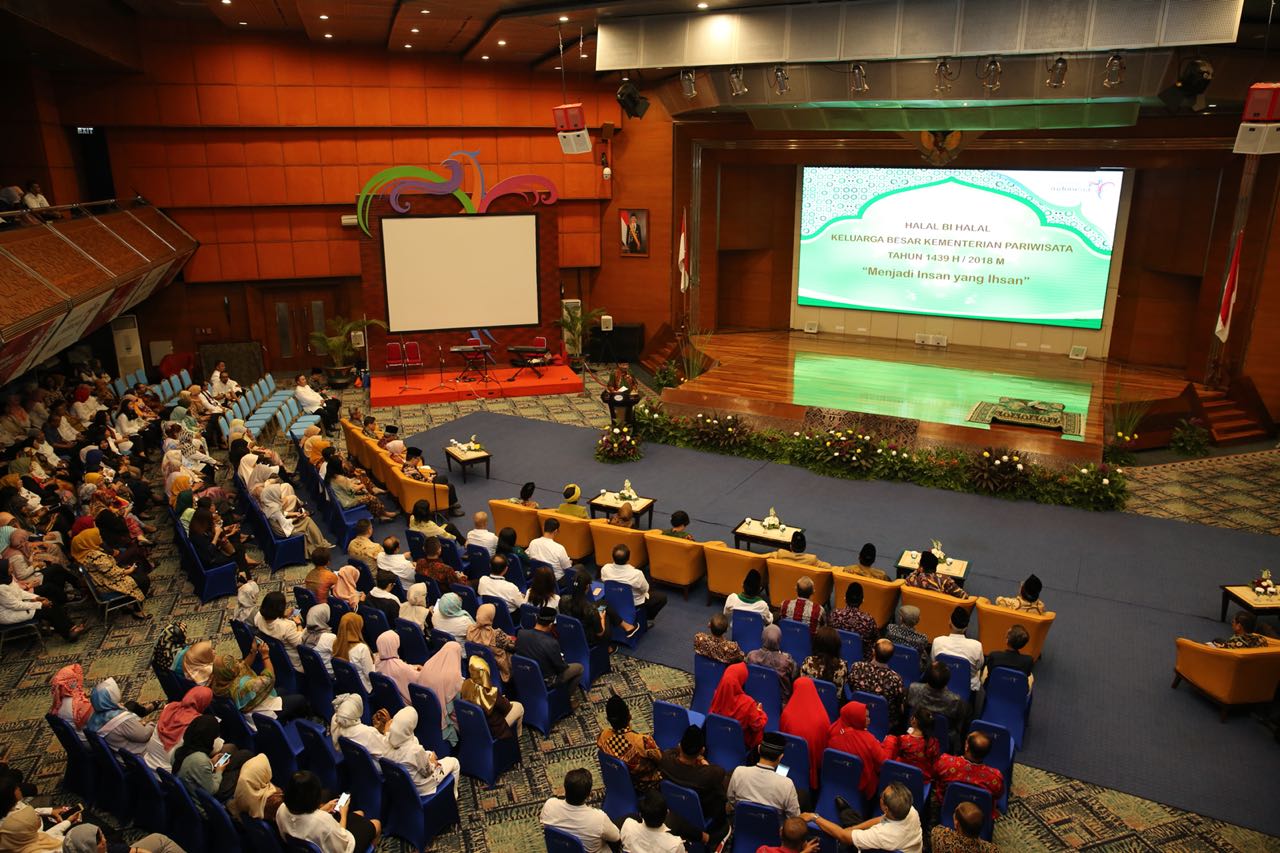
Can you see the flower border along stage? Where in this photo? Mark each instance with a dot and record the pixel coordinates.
(854, 455)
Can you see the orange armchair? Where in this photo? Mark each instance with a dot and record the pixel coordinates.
(522, 519)
(605, 537)
(879, 598)
(1229, 676)
(575, 533)
(675, 561)
(727, 567)
(783, 575)
(935, 609)
(994, 623)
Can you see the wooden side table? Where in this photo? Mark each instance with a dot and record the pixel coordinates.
(466, 458)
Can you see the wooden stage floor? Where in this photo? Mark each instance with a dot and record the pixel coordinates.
(778, 376)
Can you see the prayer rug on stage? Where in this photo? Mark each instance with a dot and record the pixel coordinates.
(1032, 413)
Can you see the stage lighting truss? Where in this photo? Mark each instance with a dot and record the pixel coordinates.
(1057, 73)
(736, 84)
(781, 79)
(989, 74)
(944, 76)
(860, 84)
(687, 83)
(1113, 71)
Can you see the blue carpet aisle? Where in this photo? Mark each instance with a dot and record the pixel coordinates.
(1123, 586)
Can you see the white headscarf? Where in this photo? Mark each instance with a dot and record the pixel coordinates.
(347, 711)
(396, 447)
(415, 608)
(403, 727)
(271, 499)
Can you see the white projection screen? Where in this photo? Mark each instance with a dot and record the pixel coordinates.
(460, 272)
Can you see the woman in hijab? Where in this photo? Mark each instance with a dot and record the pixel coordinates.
(500, 643)
(280, 506)
(172, 725)
(121, 729)
(313, 444)
(391, 665)
(526, 496)
(348, 722)
(194, 761)
(87, 550)
(450, 617)
(233, 679)
(771, 655)
(247, 591)
(442, 673)
(414, 608)
(344, 586)
(731, 701)
(255, 795)
(195, 662)
(171, 640)
(319, 635)
(427, 771)
(253, 471)
(22, 831)
(87, 838)
(352, 493)
(624, 517)
(35, 568)
(501, 713)
(351, 647)
(70, 702)
(849, 734)
(806, 717)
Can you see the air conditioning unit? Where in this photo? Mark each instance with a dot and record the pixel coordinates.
(571, 309)
(124, 334)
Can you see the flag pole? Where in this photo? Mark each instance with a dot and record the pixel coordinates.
(1216, 371)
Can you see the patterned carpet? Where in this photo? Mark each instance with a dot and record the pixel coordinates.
(1237, 492)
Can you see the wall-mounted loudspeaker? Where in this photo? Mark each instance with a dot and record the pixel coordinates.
(606, 323)
(811, 327)
(575, 142)
(1078, 353)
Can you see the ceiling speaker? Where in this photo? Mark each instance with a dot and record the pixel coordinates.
(575, 142)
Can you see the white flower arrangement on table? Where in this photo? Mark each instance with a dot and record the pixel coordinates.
(1264, 585)
(937, 551)
(771, 521)
(626, 493)
(470, 446)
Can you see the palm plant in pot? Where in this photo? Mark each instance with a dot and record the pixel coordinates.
(576, 327)
(338, 344)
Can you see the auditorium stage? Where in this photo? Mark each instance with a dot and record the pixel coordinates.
(385, 388)
(793, 380)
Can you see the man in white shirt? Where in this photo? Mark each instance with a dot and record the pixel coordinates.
(224, 387)
(621, 570)
(589, 825)
(481, 535)
(398, 564)
(956, 643)
(497, 585)
(760, 783)
(34, 199)
(897, 829)
(650, 833)
(208, 400)
(546, 549)
(313, 402)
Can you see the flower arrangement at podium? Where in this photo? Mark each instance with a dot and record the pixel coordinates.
(619, 444)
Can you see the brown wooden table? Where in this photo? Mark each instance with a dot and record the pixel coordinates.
(608, 503)
(755, 532)
(1243, 595)
(466, 458)
(954, 569)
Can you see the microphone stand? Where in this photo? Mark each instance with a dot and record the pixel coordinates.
(404, 366)
(440, 383)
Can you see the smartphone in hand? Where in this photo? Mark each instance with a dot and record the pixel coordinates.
(342, 801)
(222, 761)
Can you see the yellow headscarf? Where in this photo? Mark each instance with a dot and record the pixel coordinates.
(85, 543)
(350, 633)
(478, 688)
(181, 483)
(572, 492)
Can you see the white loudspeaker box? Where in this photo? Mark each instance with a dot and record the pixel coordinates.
(606, 323)
(575, 142)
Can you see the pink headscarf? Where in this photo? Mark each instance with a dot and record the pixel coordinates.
(443, 673)
(69, 682)
(345, 588)
(176, 716)
(390, 665)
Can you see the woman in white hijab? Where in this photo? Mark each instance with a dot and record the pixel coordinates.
(415, 608)
(427, 770)
(347, 712)
(319, 634)
(280, 506)
(253, 472)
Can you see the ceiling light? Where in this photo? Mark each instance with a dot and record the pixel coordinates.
(485, 57)
(557, 68)
(328, 35)
(583, 56)
(226, 2)
(564, 19)
(687, 83)
(859, 74)
(703, 5)
(781, 79)
(413, 29)
(243, 23)
(943, 76)
(407, 46)
(990, 75)
(324, 17)
(502, 42)
(426, 11)
(1057, 73)
(736, 85)
(1113, 72)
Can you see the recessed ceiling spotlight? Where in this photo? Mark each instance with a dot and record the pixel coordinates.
(328, 35)
(413, 30)
(583, 56)
(564, 19)
(243, 23)
(485, 57)
(407, 46)
(324, 17)
(226, 2)
(502, 42)
(557, 68)
(703, 5)
(426, 11)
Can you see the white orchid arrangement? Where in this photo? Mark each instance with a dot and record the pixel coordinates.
(472, 445)
(937, 550)
(1264, 585)
(771, 521)
(626, 493)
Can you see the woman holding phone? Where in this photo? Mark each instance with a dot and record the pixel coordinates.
(333, 826)
(203, 761)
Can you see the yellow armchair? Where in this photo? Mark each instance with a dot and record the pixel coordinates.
(935, 609)
(522, 519)
(409, 491)
(879, 598)
(994, 623)
(575, 533)
(675, 561)
(727, 567)
(605, 537)
(1229, 676)
(783, 575)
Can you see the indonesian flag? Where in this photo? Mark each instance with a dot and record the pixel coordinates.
(1229, 293)
(682, 260)
(622, 221)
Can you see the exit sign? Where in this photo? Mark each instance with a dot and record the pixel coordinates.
(84, 131)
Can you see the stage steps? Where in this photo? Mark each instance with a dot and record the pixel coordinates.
(1228, 420)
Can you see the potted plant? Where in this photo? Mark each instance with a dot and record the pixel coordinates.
(338, 344)
(576, 326)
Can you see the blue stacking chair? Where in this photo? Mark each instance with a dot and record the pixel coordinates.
(559, 841)
(830, 697)
(221, 831)
(364, 778)
(620, 598)
(417, 819)
(235, 729)
(670, 721)
(386, 694)
(288, 679)
(413, 643)
(755, 826)
(175, 686)
(528, 615)
(841, 772)
(707, 673)
(108, 778)
(450, 554)
(148, 806)
(430, 730)
(1007, 702)
(906, 662)
(433, 590)
(305, 599)
(259, 836)
(685, 803)
(486, 653)
(850, 646)
(479, 754)
(516, 574)
(542, 706)
(439, 639)
(375, 624)
(347, 680)
(909, 775)
(573, 642)
(877, 712)
(468, 595)
(796, 640)
(272, 741)
(1000, 756)
(961, 792)
(795, 754)
(365, 582)
(764, 686)
(244, 634)
(337, 609)
(77, 773)
(417, 544)
(477, 558)
(960, 683)
(318, 754)
(186, 824)
(319, 682)
(747, 626)
(725, 745)
(502, 614)
(619, 792)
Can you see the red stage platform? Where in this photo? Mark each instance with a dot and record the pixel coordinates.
(384, 389)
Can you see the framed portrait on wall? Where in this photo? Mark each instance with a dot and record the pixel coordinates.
(634, 224)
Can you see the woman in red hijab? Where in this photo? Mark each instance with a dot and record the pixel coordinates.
(849, 734)
(806, 717)
(730, 701)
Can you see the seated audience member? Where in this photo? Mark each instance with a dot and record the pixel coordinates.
(572, 815)
(853, 618)
(713, 643)
(796, 553)
(34, 198)
(301, 815)
(287, 517)
(793, 838)
(542, 591)
(927, 577)
(390, 433)
(1243, 634)
(760, 783)
(956, 643)
(586, 603)
(770, 654)
(526, 496)
(70, 702)
(313, 402)
(497, 585)
(898, 827)
(382, 595)
(319, 634)
(351, 647)
(505, 718)
(968, 820)
(414, 608)
(805, 717)
(802, 608)
(195, 759)
(624, 517)
(413, 467)
(917, 746)
(451, 617)
(1027, 599)
(570, 506)
(686, 765)
(1011, 656)
(399, 564)
(20, 605)
(932, 693)
(874, 676)
(347, 586)
(352, 488)
(750, 598)
(849, 734)
(255, 795)
(431, 566)
(321, 578)
(214, 542)
(541, 646)
(968, 768)
(621, 570)
(481, 534)
(825, 662)
(499, 642)
(507, 546)
(422, 520)
(427, 770)
(679, 525)
(638, 751)
(369, 427)
(731, 700)
(120, 728)
(650, 833)
(904, 633)
(252, 692)
(273, 621)
(864, 567)
(223, 387)
(547, 550)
